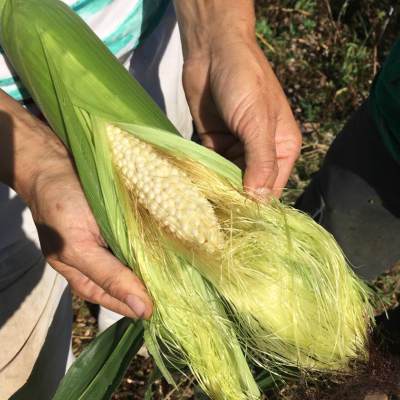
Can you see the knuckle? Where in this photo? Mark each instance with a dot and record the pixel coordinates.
(111, 285)
(83, 286)
(297, 142)
(298, 139)
(268, 168)
(88, 287)
(75, 250)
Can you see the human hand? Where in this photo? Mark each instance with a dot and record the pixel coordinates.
(237, 103)
(241, 111)
(37, 166)
(71, 241)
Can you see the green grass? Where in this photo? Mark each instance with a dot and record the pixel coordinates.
(326, 54)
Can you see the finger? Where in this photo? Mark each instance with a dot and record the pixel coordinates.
(90, 291)
(285, 167)
(260, 155)
(99, 265)
(288, 151)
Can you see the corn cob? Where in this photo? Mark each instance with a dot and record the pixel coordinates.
(165, 191)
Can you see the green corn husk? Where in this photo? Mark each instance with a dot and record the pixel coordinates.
(79, 86)
(295, 303)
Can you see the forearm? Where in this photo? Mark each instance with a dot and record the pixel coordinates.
(27, 147)
(205, 23)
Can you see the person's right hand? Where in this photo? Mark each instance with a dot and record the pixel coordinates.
(241, 111)
(237, 103)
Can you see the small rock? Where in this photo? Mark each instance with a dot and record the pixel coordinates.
(143, 352)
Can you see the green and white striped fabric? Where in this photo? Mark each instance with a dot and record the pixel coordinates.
(121, 24)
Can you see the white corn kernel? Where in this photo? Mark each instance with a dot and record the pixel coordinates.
(165, 191)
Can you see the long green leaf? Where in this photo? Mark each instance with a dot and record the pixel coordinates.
(99, 369)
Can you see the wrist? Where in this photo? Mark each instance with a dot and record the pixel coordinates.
(45, 161)
(27, 148)
(207, 25)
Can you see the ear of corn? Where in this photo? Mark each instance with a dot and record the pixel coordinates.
(176, 213)
(82, 90)
(189, 322)
(165, 191)
(296, 302)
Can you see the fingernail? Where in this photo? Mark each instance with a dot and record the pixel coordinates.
(136, 304)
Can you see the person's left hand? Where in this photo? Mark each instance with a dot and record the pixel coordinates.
(73, 245)
(241, 111)
(39, 168)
